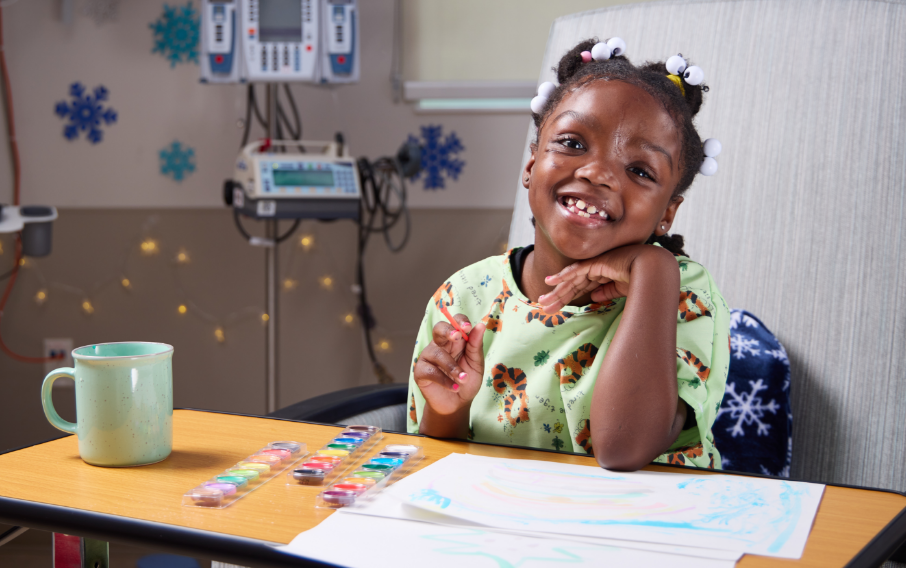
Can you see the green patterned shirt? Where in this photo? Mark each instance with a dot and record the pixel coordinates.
(540, 369)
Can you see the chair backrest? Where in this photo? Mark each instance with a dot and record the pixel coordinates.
(805, 223)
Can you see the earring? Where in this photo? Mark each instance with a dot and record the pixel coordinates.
(663, 227)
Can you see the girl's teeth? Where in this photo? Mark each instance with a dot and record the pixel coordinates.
(603, 215)
(592, 209)
(570, 200)
(573, 209)
(580, 204)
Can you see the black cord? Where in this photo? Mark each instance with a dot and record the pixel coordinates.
(379, 181)
(239, 226)
(254, 100)
(248, 117)
(289, 231)
(292, 105)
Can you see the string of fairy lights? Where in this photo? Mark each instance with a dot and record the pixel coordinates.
(146, 245)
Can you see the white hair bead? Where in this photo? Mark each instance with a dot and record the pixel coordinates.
(712, 147)
(694, 75)
(600, 52)
(617, 46)
(546, 89)
(708, 167)
(676, 65)
(538, 104)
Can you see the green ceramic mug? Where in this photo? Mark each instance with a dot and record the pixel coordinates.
(124, 402)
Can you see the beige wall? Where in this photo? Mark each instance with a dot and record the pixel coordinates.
(318, 353)
(478, 40)
(157, 104)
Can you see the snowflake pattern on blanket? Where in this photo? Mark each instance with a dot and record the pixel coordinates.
(754, 426)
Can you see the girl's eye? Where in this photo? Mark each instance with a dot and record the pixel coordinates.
(572, 144)
(640, 173)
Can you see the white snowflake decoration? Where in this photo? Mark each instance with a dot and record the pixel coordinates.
(742, 345)
(736, 316)
(747, 408)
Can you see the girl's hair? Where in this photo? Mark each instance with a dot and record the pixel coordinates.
(651, 77)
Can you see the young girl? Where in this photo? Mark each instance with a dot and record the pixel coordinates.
(603, 337)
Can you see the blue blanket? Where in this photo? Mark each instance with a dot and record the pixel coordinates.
(754, 426)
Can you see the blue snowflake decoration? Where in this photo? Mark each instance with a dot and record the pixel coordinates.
(177, 161)
(85, 112)
(176, 34)
(438, 158)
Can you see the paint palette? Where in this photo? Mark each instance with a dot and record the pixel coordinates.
(336, 457)
(387, 466)
(249, 474)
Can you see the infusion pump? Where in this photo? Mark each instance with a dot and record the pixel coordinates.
(280, 40)
(312, 185)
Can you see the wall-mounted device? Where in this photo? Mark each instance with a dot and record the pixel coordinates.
(314, 185)
(220, 62)
(339, 60)
(280, 39)
(36, 224)
(313, 41)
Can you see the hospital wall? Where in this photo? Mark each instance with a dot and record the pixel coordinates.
(111, 195)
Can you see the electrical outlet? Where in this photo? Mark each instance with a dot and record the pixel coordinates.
(61, 351)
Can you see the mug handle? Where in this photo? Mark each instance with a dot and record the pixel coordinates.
(47, 401)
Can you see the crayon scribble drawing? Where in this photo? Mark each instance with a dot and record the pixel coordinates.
(759, 516)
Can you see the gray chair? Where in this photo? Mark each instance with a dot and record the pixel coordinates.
(377, 405)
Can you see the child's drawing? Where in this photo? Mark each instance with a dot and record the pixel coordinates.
(760, 516)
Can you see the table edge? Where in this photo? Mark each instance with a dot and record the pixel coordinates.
(128, 530)
(184, 540)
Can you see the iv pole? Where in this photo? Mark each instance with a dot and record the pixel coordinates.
(271, 389)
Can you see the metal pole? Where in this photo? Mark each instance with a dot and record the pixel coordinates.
(270, 274)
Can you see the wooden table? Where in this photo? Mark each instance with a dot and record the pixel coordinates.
(48, 487)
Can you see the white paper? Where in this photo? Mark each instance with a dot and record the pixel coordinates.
(363, 541)
(388, 506)
(745, 514)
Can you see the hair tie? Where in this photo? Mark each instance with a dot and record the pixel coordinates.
(711, 147)
(544, 92)
(676, 66)
(603, 51)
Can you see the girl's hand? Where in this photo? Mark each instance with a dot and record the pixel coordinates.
(607, 276)
(449, 369)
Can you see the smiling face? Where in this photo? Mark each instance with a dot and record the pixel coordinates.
(603, 172)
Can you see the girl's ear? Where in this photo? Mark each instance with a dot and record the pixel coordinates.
(663, 226)
(527, 172)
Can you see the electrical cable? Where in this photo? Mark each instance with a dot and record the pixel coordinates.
(289, 232)
(247, 126)
(17, 184)
(378, 185)
(10, 124)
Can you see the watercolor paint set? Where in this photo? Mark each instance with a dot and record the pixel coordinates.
(336, 457)
(247, 475)
(387, 466)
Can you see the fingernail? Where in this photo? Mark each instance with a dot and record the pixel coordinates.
(455, 387)
(462, 376)
(453, 334)
(466, 325)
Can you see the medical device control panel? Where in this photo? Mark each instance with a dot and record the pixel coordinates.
(314, 41)
(220, 62)
(279, 182)
(295, 178)
(281, 39)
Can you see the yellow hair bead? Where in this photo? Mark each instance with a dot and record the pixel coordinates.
(679, 83)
